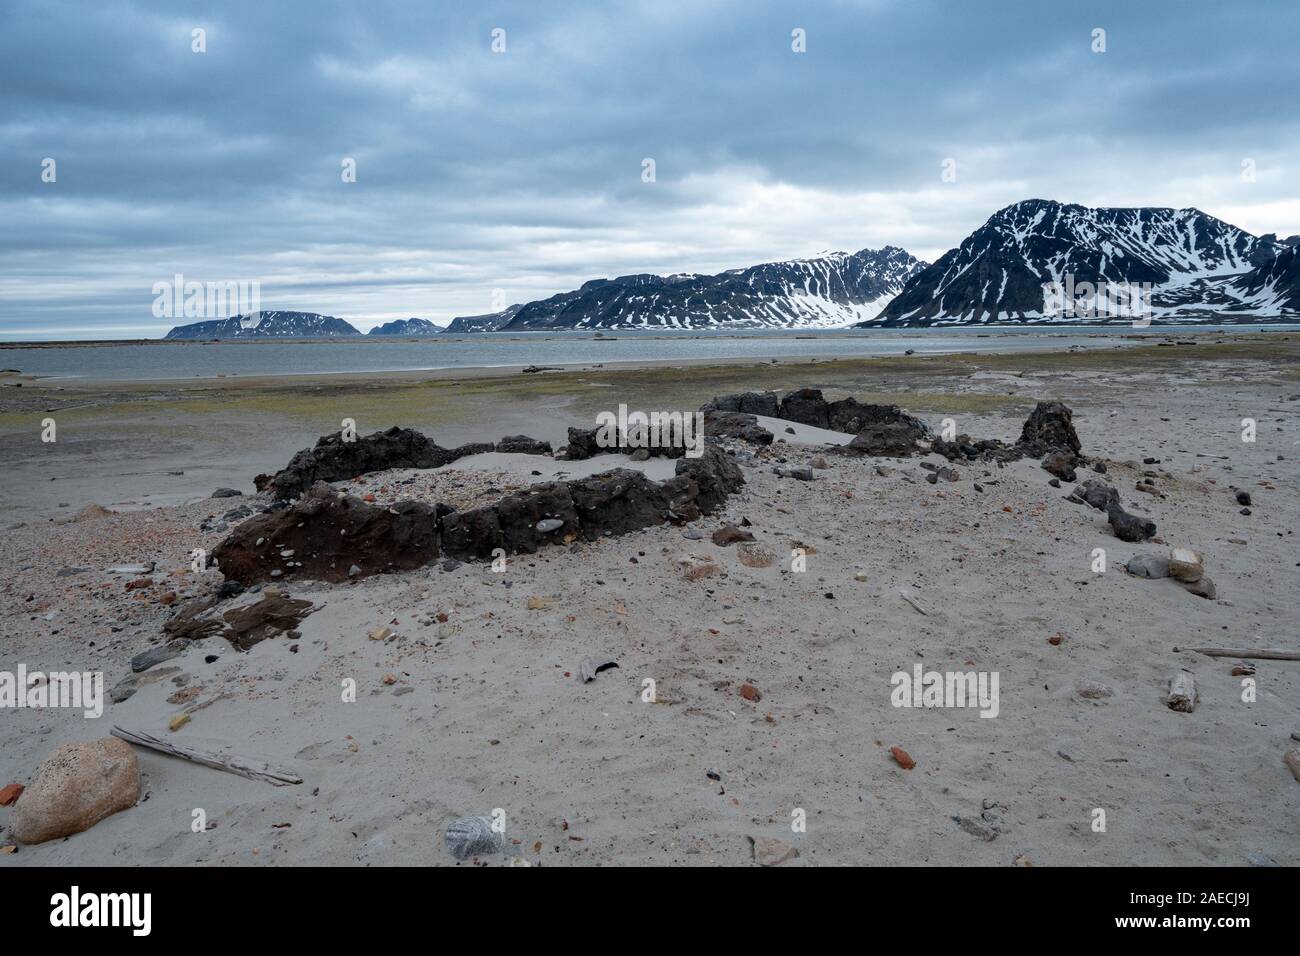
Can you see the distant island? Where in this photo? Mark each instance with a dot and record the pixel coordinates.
(295, 325)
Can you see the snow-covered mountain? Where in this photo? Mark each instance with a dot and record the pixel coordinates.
(999, 272)
(489, 322)
(406, 327)
(828, 291)
(266, 325)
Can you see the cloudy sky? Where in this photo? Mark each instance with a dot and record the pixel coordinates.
(522, 170)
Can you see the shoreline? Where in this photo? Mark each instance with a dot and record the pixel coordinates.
(1128, 340)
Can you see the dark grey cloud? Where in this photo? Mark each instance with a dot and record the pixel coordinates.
(521, 171)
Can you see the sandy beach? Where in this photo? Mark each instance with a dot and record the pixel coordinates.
(472, 700)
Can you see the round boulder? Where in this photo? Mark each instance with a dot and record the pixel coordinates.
(74, 788)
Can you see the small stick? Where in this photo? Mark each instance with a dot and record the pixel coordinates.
(1263, 655)
(243, 766)
(914, 604)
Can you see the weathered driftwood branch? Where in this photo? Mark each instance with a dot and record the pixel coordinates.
(1258, 654)
(231, 763)
(915, 606)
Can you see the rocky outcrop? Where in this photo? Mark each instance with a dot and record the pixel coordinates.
(805, 406)
(1049, 428)
(333, 459)
(879, 429)
(74, 788)
(325, 535)
(741, 426)
(523, 445)
(750, 403)
(329, 535)
(586, 443)
(888, 439)
(1048, 433)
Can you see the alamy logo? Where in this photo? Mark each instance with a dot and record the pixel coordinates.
(74, 908)
(180, 299)
(626, 429)
(83, 690)
(950, 689)
(1101, 300)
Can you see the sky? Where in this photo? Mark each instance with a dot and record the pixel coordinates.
(499, 148)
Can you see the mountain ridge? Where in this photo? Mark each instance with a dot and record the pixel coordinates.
(999, 272)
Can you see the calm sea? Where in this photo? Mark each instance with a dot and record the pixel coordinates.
(151, 361)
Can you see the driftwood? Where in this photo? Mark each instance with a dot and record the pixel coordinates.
(1263, 655)
(916, 607)
(1182, 692)
(243, 766)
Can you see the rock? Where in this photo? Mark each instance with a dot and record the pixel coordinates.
(641, 454)
(944, 472)
(273, 614)
(156, 655)
(1049, 427)
(473, 836)
(750, 692)
(1148, 566)
(738, 425)
(379, 634)
(1292, 761)
(9, 793)
(751, 403)
(333, 459)
(547, 525)
(756, 556)
(1243, 498)
(226, 493)
(1204, 587)
(709, 481)
(890, 438)
(805, 407)
(1129, 527)
(329, 533)
(229, 589)
(730, 534)
(1095, 494)
(770, 852)
(1093, 690)
(523, 445)
(583, 445)
(1186, 565)
(903, 758)
(977, 828)
(1061, 464)
(74, 788)
(801, 472)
